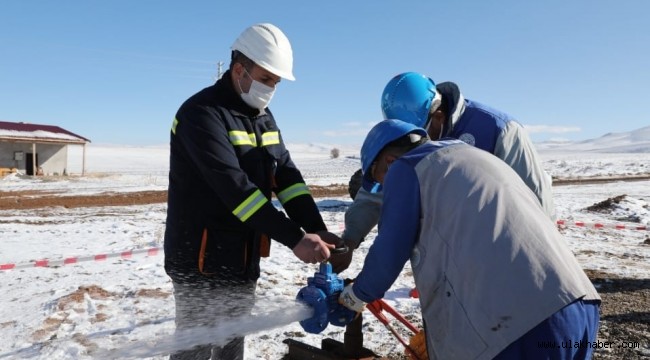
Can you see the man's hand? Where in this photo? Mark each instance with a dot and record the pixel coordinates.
(312, 249)
(351, 301)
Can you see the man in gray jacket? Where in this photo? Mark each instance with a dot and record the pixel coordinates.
(495, 277)
(444, 112)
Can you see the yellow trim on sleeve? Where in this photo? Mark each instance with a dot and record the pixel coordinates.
(270, 138)
(249, 206)
(174, 124)
(239, 138)
(293, 191)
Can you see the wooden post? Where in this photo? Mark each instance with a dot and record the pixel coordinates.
(83, 161)
(33, 159)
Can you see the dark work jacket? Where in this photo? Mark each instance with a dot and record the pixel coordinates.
(226, 160)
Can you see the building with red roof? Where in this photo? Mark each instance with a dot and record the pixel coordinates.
(36, 149)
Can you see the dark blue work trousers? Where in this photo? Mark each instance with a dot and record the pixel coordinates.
(569, 334)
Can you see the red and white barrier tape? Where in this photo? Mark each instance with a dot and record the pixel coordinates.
(597, 225)
(154, 251)
(73, 260)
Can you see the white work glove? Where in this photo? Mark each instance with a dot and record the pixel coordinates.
(351, 301)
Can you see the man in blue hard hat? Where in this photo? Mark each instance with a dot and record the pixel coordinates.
(444, 112)
(494, 282)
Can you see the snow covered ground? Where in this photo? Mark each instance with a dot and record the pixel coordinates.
(122, 306)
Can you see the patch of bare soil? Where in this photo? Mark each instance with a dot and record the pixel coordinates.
(329, 190)
(94, 292)
(35, 199)
(70, 303)
(50, 325)
(8, 324)
(599, 179)
(606, 205)
(624, 316)
(153, 293)
(9, 200)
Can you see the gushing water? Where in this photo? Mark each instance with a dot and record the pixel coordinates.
(218, 335)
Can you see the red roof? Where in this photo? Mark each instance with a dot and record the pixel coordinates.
(32, 128)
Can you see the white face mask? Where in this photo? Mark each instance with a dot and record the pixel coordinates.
(259, 95)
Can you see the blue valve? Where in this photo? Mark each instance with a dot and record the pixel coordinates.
(322, 293)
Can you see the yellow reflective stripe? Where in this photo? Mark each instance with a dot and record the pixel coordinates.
(292, 191)
(174, 123)
(270, 138)
(239, 138)
(249, 206)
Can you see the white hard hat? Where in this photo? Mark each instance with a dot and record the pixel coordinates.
(268, 47)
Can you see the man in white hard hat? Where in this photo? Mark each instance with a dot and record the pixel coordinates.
(227, 157)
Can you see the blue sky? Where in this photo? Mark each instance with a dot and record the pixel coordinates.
(116, 71)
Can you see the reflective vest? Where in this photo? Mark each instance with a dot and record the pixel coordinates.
(226, 161)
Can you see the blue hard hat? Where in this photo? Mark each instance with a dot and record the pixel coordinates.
(382, 134)
(409, 97)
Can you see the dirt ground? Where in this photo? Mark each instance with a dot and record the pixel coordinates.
(32, 199)
(625, 311)
(624, 317)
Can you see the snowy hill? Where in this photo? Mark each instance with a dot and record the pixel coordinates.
(317, 163)
(636, 141)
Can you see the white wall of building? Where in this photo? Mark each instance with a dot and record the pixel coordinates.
(52, 158)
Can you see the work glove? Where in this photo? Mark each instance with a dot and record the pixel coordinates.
(341, 261)
(351, 301)
(311, 249)
(330, 238)
(418, 344)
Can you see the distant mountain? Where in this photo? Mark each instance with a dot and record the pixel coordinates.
(636, 141)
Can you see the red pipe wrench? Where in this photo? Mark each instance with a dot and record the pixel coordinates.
(377, 307)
